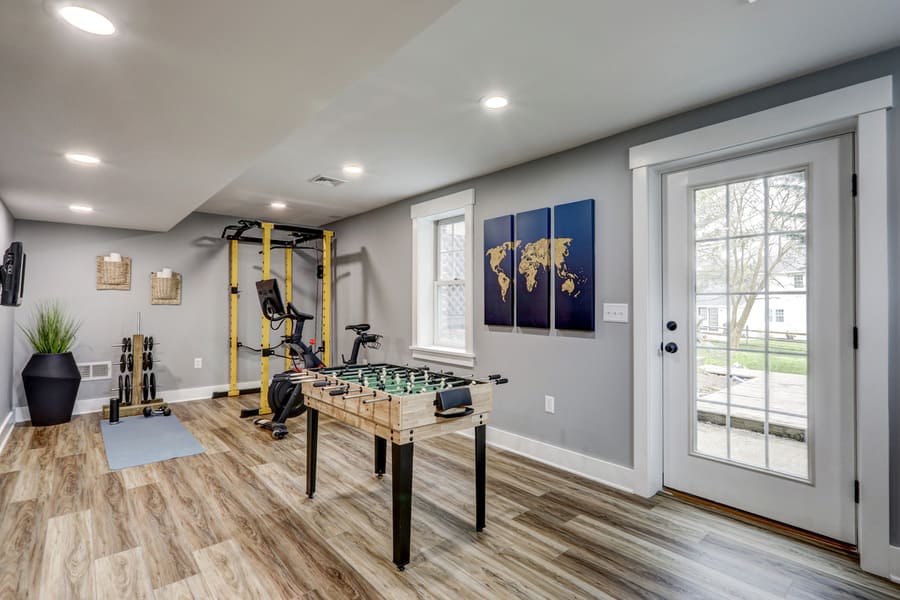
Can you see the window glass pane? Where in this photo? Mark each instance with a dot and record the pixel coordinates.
(788, 386)
(709, 212)
(787, 261)
(746, 207)
(747, 329)
(710, 259)
(450, 326)
(711, 435)
(746, 265)
(747, 438)
(787, 202)
(788, 445)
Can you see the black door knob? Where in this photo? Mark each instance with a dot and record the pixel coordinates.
(671, 348)
(671, 325)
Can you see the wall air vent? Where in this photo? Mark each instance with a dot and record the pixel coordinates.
(327, 181)
(94, 371)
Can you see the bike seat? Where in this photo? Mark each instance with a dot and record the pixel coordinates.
(361, 327)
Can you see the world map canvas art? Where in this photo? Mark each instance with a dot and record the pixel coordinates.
(573, 261)
(522, 262)
(499, 248)
(533, 268)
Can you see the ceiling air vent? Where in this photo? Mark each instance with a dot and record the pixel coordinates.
(328, 181)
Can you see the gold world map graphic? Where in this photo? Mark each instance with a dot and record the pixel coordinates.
(535, 258)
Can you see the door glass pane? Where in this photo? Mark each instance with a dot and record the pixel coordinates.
(710, 265)
(746, 207)
(710, 206)
(750, 310)
(747, 439)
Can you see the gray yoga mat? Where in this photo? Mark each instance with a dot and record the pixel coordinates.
(141, 440)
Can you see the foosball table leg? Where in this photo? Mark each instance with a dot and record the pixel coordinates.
(312, 443)
(401, 490)
(380, 455)
(480, 476)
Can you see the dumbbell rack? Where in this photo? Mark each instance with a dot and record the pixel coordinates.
(141, 393)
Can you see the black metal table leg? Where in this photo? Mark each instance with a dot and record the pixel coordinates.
(480, 476)
(380, 455)
(401, 489)
(312, 443)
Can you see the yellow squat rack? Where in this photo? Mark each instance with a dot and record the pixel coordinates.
(287, 237)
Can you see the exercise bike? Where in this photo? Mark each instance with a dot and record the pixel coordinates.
(285, 394)
(285, 398)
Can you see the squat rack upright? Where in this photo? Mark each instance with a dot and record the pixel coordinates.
(242, 233)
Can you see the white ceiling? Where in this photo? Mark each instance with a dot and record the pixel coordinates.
(574, 70)
(192, 95)
(179, 102)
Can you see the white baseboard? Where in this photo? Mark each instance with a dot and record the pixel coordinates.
(894, 563)
(92, 405)
(595, 469)
(6, 429)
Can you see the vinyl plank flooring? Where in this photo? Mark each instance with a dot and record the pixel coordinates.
(23, 531)
(17, 445)
(168, 554)
(67, 565)
(235, 522)
(226, 574)
(112, 521)
(123, 575)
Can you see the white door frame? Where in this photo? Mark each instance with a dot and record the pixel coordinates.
(860, 108)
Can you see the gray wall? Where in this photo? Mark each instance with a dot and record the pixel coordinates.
(590, 376)
(61, 264)
(7, 319)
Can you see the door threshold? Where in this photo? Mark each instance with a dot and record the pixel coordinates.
(764, 523)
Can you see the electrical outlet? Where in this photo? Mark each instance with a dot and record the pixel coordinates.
(549, 404)
(198, 363)
(615, 313)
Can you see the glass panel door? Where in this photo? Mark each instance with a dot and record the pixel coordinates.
(750, 348)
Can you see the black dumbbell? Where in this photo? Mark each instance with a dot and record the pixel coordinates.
(164, 411)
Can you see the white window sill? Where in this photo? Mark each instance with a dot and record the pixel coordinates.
(439, 354)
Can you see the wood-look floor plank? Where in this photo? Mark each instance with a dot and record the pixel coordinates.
(168, 554)
(112, 522)
(34, 475)
(192, 588)
(14, 451)
(226, 573)
(71, 437)
(122, 575)
(68, 486)
(67, 565)
(235, 522)
(22, 531)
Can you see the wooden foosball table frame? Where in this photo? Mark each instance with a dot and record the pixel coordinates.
(402, 420)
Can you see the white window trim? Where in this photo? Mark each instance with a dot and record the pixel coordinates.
(424, 215)
(861, 108)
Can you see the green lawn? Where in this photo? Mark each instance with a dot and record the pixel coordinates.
(778, 363)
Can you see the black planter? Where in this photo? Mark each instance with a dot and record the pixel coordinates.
(51, 384)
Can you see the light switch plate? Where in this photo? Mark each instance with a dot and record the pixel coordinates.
(615, 313)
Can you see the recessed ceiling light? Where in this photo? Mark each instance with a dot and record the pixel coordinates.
(87, 20)
(82, 159)
(353, 170)
(80, 208)
(278, 205)
(494, 102)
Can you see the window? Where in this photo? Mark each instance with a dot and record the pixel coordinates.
(442, 279)
(450, 283)
(713, 318)
(798, 280)
(779, 315)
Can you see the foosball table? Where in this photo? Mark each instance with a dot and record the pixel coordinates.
(402, 405)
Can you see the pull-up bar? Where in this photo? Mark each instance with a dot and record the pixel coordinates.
(295, 236)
